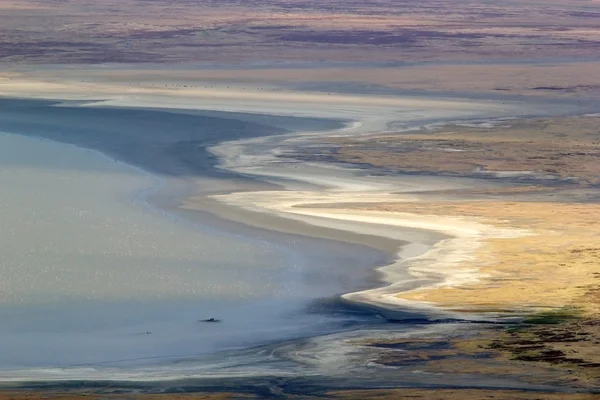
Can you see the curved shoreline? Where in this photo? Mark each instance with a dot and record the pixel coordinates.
(358, 106)
(335, 182)
(70, 375)
(431, 264)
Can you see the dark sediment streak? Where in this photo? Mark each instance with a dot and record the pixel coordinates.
(162, 142)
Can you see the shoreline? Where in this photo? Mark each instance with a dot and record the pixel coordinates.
(334, 184)
(430, 265)
(300, 199)
(146, 173)
(324, 249)
(353, 126)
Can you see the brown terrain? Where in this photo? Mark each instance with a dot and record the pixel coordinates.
(563, 149)
(85, 31)
(566, 79)
(431, 45)
(550, 276)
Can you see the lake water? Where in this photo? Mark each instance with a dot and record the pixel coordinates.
(92, 275)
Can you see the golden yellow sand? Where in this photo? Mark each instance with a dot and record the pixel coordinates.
(558, 266)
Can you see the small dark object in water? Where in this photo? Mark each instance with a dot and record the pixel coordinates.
(211, 320)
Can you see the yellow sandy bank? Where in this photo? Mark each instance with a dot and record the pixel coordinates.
(557, 266)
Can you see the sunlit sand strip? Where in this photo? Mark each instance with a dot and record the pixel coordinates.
(32, 87)
(368, 113)
(443, 264)
(556, 267)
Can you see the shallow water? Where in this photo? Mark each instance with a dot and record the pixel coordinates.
(91, 275)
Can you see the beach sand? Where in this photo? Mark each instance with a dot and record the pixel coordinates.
(555, 266)
(549, 272)
(556, 160)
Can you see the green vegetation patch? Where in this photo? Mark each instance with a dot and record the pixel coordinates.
(553, 317)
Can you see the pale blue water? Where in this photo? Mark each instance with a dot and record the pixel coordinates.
(91, 275)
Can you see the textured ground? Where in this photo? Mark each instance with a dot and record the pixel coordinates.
(564, 79)
(553, 273)
(524, 271)
(562, 149)
(83, 31)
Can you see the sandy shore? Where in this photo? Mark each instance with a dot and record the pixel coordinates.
(442, 262)
(556, 158)
(433, 263)
(517, 270)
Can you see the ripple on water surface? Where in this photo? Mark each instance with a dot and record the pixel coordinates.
(87, 275)
(71, 231)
